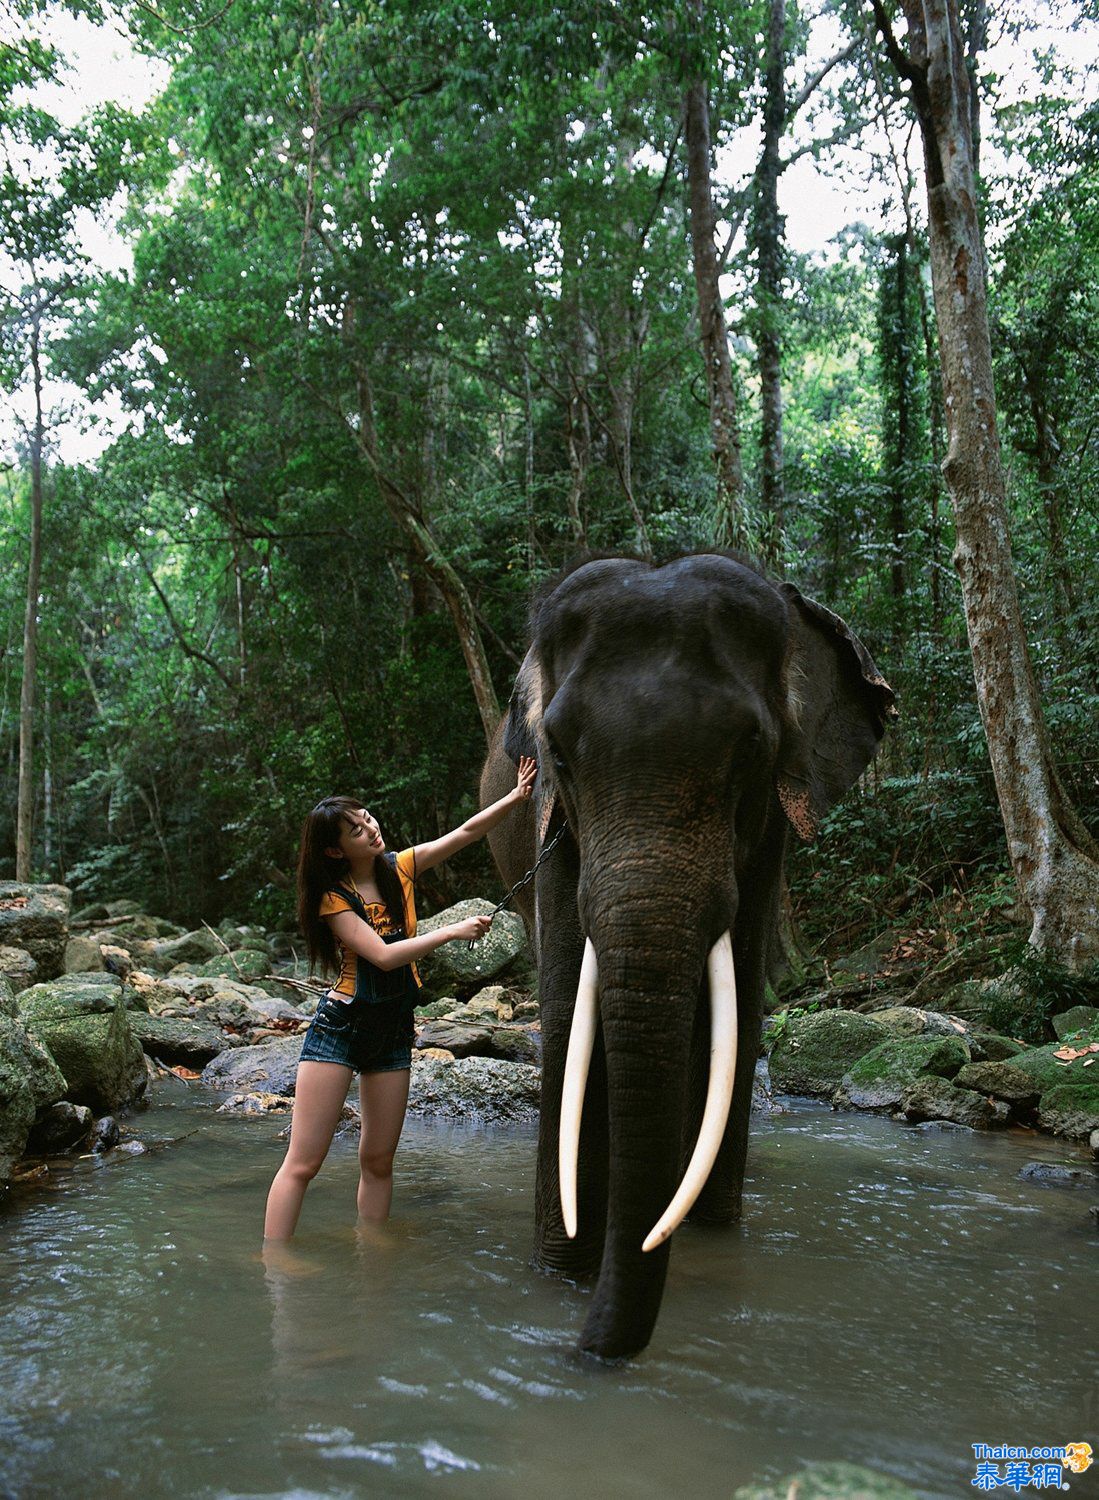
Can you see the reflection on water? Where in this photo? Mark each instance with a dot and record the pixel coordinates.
(892, 1297)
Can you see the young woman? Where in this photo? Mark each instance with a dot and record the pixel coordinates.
(358, 914)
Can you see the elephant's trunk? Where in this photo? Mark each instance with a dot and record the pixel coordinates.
(721, 986)
(647, 1009)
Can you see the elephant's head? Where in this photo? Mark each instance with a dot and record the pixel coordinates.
(681, 717)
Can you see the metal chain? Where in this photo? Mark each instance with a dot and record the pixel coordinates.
(519, 884)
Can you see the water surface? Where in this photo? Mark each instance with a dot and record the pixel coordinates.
(893, 1296)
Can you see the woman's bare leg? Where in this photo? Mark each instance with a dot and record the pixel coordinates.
(320, 1091)
(383, 1098)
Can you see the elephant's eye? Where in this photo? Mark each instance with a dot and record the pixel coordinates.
(555, 754)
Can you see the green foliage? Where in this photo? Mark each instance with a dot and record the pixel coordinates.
(412, 291)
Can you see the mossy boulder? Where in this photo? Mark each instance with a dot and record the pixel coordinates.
(78, 995)
(455, 966)
(1048, 1070)
(244, 965)
(911, 1020)
(30, 1080)
(931, 1098)
(881, 1078)
(99, 1055)
(1077, 1018)
(8, 1005)
(192, 948)
(999, 1080)
(811, 1054)
(1071, 1109)
(830, 1481)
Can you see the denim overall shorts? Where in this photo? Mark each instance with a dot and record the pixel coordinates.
(373, 1031)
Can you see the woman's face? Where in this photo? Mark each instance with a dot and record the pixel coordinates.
(360, 837)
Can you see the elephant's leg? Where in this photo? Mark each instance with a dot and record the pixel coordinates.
(562, 948)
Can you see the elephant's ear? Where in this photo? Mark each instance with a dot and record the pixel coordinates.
(838, 707)
(522, 731)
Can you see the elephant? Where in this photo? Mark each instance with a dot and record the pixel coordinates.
(683, 716)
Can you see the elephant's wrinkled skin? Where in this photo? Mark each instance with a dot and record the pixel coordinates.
(681, 717)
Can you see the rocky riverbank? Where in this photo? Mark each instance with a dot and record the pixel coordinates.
(94, 1003)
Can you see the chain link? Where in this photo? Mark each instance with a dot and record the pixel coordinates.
(529, 876)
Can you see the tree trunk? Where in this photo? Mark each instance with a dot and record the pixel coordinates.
(24, 818)
(724, 424)
(431, 559)
(767, 227)
(1053, 856)
(897, 363)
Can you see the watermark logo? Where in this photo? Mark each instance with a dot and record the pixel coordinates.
(1017, 1469)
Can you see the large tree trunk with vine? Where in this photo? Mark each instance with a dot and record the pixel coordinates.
(724, 423)
(1055, 861)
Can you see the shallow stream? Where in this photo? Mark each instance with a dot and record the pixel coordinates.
(893, 1296)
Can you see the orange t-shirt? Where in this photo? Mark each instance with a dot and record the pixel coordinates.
(377, 914)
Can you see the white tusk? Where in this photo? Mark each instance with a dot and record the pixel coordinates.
(577, 1062)
(719, 1092)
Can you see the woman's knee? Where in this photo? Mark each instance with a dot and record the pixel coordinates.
(302, 1168)
(375, 1163)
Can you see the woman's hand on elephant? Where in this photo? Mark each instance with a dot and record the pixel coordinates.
(528, 770)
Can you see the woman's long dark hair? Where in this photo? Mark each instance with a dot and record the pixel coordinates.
(319, 871)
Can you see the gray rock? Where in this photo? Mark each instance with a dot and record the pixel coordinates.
(95, 911)
(493, 1003)
(101, 1059)
(282, 945)
(474, 1088)
(812, 1053)
(8, 1007)
(188, 1043)
(256, 1103)
(192, 948)
(455, 966)
(60, 1127)
(124, 907)
(35, 918)
(513, 1043)
(1093, 1142)
(1054, 1174)
(881, 1078)
(933, 1098)
(105, 1134)
(1079, 1018)
(17, 967)
(271, 1067)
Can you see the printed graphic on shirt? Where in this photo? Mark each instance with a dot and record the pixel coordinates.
(377, 914)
